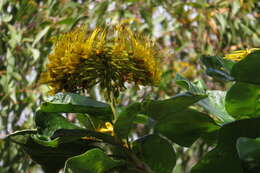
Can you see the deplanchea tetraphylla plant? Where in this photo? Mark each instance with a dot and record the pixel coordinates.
(98, 141)
(108, 57)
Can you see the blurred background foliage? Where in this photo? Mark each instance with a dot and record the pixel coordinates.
(183, 30)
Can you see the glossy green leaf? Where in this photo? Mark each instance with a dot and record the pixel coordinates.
(141, 119)
(219, 74)
(215, 105)
(53, 158)
(126, 119)
(67, 135)
(85, 120)
(62, 136)
(247, 70)
(130, 171)
(22, 132)
(161, 109)
(20, 137)
(193, 87)
(90, 122)
(92, 161)
(218, 67)
(186, 126)
(54, 125)
(215, 62)
(210, 138)
(156, 152)
(51, 155)
(224, 158)
(242, 100)
(215, 101)
(248, 149)
(47, 123)
(74, 103)
(156, 110)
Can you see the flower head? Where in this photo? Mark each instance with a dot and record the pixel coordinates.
(240, 54)
(109, 57)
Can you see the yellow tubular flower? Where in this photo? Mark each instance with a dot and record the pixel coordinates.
(240, 54)
(109, 57)
(108, 129)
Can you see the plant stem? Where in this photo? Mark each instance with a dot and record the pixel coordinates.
(139, 164)
(113, 106)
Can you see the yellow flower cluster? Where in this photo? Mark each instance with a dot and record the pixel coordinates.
(109, 57)
(240, 54)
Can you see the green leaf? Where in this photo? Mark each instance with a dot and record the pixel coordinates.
(186, 126)
(242, 100)
(247, 70)
(100, 11)
(224, 158)
(210, 138)
(161, 109)
(141, 119)
(62, 136)
(156, 152)
(66, 143)
(218, 67)
(85, 121)
(67, 135)
(74, 103)
(22, 132)
(20, 137)
(54, 125)
(51, 155)
(92, 161)
(236, 6)
(193, 87)
(16, 36)
(67, 21)
(130, 171)
(248, 149)
(53, 158)
(126, 119)
(40, 35)
(157, 110)
(215, 105)
(47, 123)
